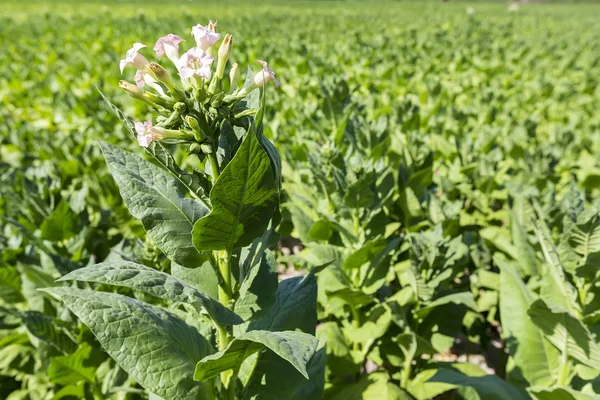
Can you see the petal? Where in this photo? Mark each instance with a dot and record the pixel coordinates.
(137, 46)
(139, 78)
(186, 72)
(139, 128)
(276, 81)
(122, 65)
(263, 63)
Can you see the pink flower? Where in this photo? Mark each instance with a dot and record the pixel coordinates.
(134, 58)
(168, 45)
(142, 78)
(195, 62)
(205, 36)
(265, 76)
(146, 133)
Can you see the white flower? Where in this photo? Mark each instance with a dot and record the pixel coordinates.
(168, 45)
(205, 35)
(470, 11)
(265, 76)
(141, 78)
(514, 7)
(134, 58)
(146, 133)
(195, 62)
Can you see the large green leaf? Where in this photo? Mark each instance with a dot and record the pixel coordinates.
(156, 283)
(297, 348)
(375, 386)
(566, 332)
(152, 196)
(244, 199)
(154, 346)
(534, 359)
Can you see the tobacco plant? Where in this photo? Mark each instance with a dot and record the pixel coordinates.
(230, 330)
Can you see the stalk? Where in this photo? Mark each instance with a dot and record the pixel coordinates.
(214, 166)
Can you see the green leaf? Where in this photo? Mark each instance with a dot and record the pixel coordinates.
(69, 369)
(489, 387)
(560, 393)
(258, 292)
(295, 307)
(555, 287)
(375, 386)
(152, 196)
(272, 379)
(566, 332)
(156, 283)
(165, 363)
(534, 358)
(295, 347)
(61, 224)
(464, 298)
(202, 277)
(526, 257)
(45, 328)
(244, 199)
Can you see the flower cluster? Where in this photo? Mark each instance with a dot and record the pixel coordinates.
(193, 110)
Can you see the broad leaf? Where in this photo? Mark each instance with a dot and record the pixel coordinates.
(152, 196)
(243, 198)
(489, 387)
(297, 348)
(156, 283)
(165, 363)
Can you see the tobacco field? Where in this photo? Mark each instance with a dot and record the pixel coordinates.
(407, 209)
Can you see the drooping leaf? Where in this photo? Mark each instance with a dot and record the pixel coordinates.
(152, 196)
(297, 348)
(156, 283)
(165, 363)
(243, 198)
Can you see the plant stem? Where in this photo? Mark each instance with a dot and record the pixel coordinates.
(214, 166)
(231, 386)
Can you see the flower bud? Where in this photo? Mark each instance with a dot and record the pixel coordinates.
(217, 100)
(224, 53)
(206, 148)
(199, 135)
(160, 74)
(154, 98)
(234, 77)
(132, 90)
(180, 107)
(195, 148)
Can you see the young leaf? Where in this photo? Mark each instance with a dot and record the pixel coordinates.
(152, 196)
(156, 283)
(154, 346)
(243, 198)
(566, 332)
(295, 347)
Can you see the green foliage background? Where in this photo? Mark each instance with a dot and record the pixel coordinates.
(489, 122)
